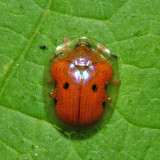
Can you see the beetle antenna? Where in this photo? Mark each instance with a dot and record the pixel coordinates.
(113, 55)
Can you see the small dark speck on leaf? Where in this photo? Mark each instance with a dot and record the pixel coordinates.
(42, 47)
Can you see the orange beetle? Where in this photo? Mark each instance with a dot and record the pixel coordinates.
(81, 74)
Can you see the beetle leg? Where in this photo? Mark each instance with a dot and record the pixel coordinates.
(102, 48)
(67, 43)
(116, 82)
(51, 94)
(109, 100)
(49, 81)
(66, 40)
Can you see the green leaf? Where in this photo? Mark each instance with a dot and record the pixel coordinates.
(129, 28)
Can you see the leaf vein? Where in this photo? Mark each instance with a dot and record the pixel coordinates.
(12, 70)
(20, 113)
(134, 125)
(11, 148)
(37, 5)
(11, 30)
(139, 68)
(119, 9)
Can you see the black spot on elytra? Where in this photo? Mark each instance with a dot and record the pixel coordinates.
(66, 85)
(55, 101)
(104, 104)
(94, 88)
(106, 86)
(55, 84)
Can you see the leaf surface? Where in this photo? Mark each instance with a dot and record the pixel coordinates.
(129, 28)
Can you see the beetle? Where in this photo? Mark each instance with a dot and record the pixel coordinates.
(81, 74)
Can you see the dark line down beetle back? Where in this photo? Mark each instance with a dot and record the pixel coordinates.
(81, 73)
